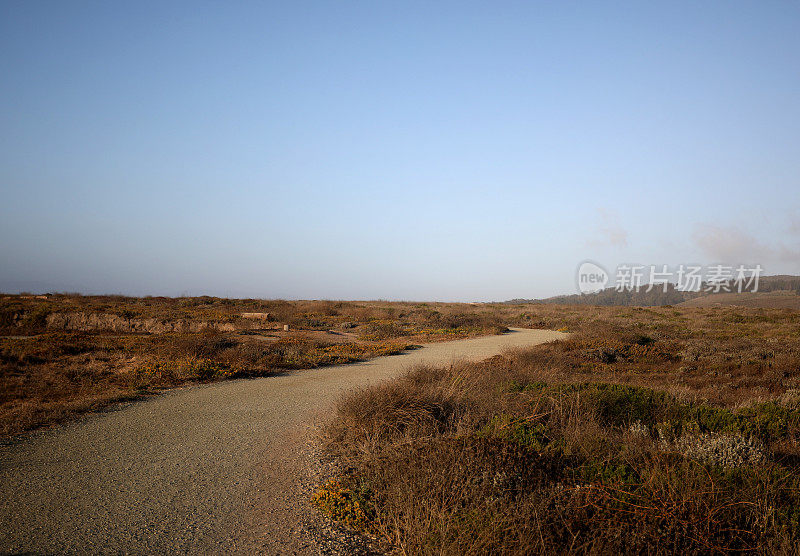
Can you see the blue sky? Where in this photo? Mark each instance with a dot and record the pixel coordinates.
(394, 150)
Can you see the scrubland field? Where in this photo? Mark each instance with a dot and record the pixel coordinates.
(649, 430)
(61, 355)
(658, 430)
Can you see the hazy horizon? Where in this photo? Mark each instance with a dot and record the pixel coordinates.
(446, 152)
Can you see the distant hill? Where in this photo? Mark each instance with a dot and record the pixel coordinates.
(773, 291)
(779, 299)
(610, 296)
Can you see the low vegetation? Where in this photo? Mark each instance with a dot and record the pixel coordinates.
(650, 429)
(61, 355)
(657, 430)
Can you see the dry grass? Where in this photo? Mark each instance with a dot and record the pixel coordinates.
(648, 431)
(655, 430)
(54, 368)
(32, 314)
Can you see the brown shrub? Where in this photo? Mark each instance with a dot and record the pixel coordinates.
(563, 448)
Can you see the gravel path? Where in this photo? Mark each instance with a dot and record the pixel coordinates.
(203, 469)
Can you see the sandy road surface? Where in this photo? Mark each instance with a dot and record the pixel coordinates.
(204, 469)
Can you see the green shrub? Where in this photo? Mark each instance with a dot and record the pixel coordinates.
(767, 421)
(520, 431)
(622, 405)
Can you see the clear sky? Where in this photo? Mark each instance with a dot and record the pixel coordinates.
(396, 150)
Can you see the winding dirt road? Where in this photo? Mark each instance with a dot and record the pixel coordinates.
(203, 469)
